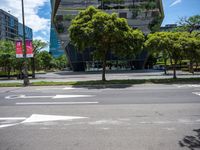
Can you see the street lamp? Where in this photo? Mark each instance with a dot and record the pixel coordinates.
(25, 69)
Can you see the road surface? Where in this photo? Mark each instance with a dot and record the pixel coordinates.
(140, 117)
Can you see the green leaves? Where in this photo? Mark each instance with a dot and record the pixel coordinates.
(105, 33)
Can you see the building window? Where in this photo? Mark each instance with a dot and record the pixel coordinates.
(123, 15)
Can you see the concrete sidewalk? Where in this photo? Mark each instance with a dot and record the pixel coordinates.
(68, 76)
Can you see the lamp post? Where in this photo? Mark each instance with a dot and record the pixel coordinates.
(25, 67)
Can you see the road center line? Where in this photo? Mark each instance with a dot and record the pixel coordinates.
(13, 118)
(55, 103)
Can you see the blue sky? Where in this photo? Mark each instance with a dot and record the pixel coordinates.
(38, 13)
(175, 9)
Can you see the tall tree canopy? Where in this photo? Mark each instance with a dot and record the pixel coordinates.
(105, 33)
(167, 43)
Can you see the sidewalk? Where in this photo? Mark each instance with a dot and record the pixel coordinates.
(67, 76)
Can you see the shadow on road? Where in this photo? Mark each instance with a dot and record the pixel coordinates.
(191, 142)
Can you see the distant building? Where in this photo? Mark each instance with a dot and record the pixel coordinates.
(168, 27)
(141, 14)
(8, 26)
(28, 31)
(171, 27)
(11, 29)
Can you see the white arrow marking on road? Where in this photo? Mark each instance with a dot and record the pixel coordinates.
(53, 97)
(8, 125)
(196, 93)
(56, 103)
(40, 118)
(45, 118)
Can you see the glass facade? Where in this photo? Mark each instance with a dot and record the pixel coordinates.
(146, 15)
(56, 49)
(28, 31)
(11, 29)
(8, 26)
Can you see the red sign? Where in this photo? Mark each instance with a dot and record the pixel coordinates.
(29, 49)
(19, 49)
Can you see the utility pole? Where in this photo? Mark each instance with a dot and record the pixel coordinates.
(25, 63)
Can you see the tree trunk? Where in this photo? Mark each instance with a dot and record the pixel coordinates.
(9, 70)
(33, 67)
(165, 70)
(191, 67)
(104, 69)
(174, 70)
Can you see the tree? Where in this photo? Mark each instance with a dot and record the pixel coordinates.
(191, 46)
(44, 60)
(167, 43)
(38, 45)
(7, 55)
(189, 24)
(105, 33)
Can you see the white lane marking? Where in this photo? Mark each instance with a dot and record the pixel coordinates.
(71, 96)
(55, 103)
(196, 93)
(13, 118)
(53, 97)
(188, 85)
(100, 122)
(46, 118)
(65, 88)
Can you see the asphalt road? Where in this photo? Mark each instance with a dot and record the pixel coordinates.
(140, 117)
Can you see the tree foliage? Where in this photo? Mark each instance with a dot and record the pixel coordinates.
(42, 59)
(105, 33)
(189, 24)
(175, 46)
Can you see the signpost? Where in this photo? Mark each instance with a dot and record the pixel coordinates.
(25, 70)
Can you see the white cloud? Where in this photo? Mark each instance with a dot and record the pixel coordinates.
(40, 38)
(32, 19)
(175, 3)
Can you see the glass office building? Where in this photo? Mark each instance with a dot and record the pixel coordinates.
(28, 31)
(11, 29)
(8, 26)
(146, 15)
(55, 47)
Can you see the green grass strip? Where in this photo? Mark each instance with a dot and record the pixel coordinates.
(110, 82)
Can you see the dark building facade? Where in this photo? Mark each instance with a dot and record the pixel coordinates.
(146, 15)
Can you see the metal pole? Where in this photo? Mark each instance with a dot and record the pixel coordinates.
(25, 71)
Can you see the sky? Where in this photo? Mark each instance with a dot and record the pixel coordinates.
(38, 13)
